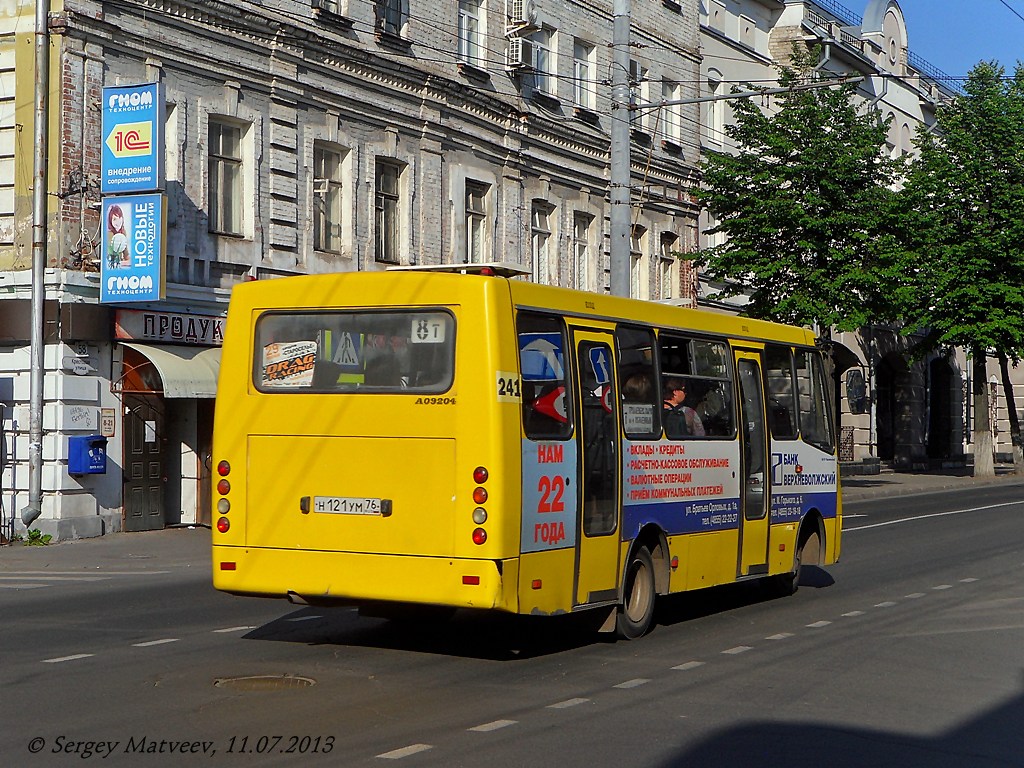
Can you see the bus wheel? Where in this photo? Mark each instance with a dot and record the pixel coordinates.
(786, 584)
(637, 610)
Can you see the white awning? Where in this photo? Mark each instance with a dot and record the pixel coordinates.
(184, 371)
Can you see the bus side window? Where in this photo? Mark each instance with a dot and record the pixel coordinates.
(781, 392)
(812, 392)
(546, 402)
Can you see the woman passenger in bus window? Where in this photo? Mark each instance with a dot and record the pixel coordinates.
(680, 419)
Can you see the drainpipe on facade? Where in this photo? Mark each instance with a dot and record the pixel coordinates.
(30, 513)
(621, 172)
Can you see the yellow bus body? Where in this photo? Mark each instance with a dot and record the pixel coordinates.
(287, 450)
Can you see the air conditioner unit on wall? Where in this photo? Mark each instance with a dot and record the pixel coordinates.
(519, 54)
(521, 15)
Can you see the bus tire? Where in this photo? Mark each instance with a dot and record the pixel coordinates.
(808, 553)
(636, 612)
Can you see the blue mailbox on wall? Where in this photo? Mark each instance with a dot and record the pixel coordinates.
(87, 455)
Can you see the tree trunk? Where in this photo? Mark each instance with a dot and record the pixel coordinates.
(984, 461)
(1011, 408)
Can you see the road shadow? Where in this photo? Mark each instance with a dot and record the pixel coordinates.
(989, 740)
(467, 634)
(502, 637)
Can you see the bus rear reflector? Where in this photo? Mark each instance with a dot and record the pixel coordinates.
(471, 580)
(226, 566)
(536, 584)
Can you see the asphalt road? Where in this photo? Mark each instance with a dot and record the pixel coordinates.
(908, 653)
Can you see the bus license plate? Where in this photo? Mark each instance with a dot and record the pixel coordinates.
(346, 505)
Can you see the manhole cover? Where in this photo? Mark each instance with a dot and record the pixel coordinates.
(264, 682)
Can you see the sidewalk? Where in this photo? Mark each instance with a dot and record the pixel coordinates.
(887, 484)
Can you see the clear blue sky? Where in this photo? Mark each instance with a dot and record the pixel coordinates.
(954, 35)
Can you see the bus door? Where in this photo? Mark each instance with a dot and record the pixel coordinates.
(597, 436)
(754, 494)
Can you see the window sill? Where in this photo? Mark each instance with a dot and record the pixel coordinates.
(546, 100)
(473, 72)
(393, 42)
(586, 115)
(328, 17)
(671, 147)
(231, 235)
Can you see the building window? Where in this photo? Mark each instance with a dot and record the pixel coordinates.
(583, 75)
(666, 266)
(639, 90)
(326, 199)
(581, 250)
(639, 281)
(476, 222)
(225, 146)
(391, 16)
(387, 223)
(670, 123)
(471, 32)
(544, 271)
(715, 114)
(545, 61)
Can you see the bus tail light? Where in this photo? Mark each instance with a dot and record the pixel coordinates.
(479, 536)
(223, 469)
(479, 495)
(223, 524)
(480, 475)
(536, 584)
(223, 486)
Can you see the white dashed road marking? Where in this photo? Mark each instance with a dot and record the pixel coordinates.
(73, 657)
(568, 703)
(780, 636)
(942, 586)
(633, 683)
(412, 749)
(493, 726)
(689, 665)
(886, 604)
(234, 629)
(819, 624)
(149, 643)
(851, 614)
(738, 649)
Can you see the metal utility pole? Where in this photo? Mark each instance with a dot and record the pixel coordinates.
(620, 162)
(39, 172)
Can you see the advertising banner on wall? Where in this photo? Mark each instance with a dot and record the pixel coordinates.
(132, 267)
(133, 139)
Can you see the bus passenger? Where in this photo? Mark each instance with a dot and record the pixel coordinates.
(680, 419)
(637, 388)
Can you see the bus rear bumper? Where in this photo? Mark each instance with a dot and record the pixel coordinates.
(319, 577)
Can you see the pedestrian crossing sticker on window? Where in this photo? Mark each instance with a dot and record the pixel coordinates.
(349, 352)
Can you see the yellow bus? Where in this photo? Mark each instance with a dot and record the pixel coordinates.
(458, 437)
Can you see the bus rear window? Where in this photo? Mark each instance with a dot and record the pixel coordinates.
(395, 351)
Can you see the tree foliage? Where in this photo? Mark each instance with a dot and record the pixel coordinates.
(804, 205)
(963, 255)
(963, 248)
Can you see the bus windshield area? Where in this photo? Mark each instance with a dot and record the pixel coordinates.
(408, 351)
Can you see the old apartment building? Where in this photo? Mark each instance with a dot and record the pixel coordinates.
(308, 136)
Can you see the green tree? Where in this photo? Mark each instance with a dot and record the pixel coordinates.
(962, 265)
(802, 204)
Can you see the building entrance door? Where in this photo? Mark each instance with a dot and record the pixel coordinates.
(143, 473)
